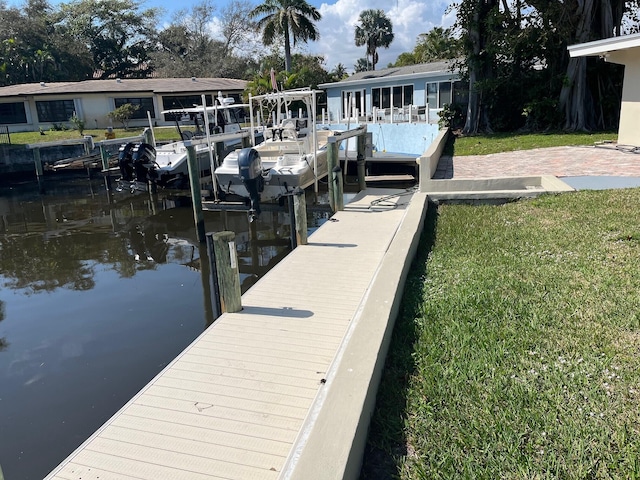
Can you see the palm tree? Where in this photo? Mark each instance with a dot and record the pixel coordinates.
(291, 19)
(374, 30)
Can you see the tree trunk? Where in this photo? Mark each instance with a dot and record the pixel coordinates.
(575, 99)
(287, 50)
(479, 68)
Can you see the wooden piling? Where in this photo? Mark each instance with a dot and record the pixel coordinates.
(224, 267)
(300, 214)
(332, 161)
(39, 171)
(104, 156)
(219, 146)
(292, 216)
(338, 192)
(196, 194)
(362, 184)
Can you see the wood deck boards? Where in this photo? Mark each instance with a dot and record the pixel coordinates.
(232, 404)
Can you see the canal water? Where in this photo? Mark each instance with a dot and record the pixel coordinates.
(99, 292)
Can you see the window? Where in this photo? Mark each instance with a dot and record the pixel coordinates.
(145, 105)
(375, 98)
(55, 110)
(407, 93)
(432, 95)
(445, 94)
(188, 101)
(385, 97)
(12, 113)
(441, 93)
(460, 92)
(397, 97)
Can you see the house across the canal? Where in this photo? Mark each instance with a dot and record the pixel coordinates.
(34, 106)
(410, 93)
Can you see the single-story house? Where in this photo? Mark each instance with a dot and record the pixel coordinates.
(424, 89)
(34, 106)
(624, 50)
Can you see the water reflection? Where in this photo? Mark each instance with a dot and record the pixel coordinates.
(99, 293)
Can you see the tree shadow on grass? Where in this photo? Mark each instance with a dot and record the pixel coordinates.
(387, 442)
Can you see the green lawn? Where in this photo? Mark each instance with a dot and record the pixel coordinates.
(24, 138)
(508, 142)
(517, 352)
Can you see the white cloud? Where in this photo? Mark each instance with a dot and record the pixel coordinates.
(409, 18)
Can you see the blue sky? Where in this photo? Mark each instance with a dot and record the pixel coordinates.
(336, 44)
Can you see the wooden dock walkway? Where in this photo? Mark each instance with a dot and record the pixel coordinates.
(239, 401)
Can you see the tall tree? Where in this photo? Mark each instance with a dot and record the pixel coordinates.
(199, 44)
(289, 19)
(437, 44)
(477, 17)
(118, 34)
(238, 31)
(375, 31)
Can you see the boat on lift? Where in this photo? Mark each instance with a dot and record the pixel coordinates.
(166, 165)
(293, 153)
(217, 123)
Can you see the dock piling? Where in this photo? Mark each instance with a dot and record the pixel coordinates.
(39, 171)
(293, 233)
(360, 161)
(225, 272)
(300, 214)
(332, 161)
(196, 194)
(338, 191)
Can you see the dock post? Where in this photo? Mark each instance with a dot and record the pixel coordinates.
(148, 136)
(39, 172)
(196, 195)
(246, 142)
(104, 156)
(219, 146)
(332, 161)
(338, 191)
(205, 276)
(226, 272)
(360, 162)
(214, 283)
(293, 237)
(300, 214)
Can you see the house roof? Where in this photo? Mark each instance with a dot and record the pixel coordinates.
(374, 76)
(600, 47)
(124, 86)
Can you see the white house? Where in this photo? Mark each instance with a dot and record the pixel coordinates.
(624, 50)
(423, 88)
(29, 107)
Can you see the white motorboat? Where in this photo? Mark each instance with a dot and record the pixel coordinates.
(167, 165)
(221, 125)
(293, 153)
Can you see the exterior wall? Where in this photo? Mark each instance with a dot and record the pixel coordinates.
(334, 94)
(628, 131)
(92, 108)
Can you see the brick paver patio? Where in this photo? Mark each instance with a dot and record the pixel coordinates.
(604, 160)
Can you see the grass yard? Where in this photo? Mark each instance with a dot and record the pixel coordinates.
(508, 142)
(517, 352)
(19, 140)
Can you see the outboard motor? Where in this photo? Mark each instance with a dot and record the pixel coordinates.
(250, 167)
(125, 162)
(144, 159)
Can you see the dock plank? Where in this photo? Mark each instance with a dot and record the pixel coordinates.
(234, 402)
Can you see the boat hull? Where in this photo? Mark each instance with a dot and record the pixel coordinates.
(281, 174)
